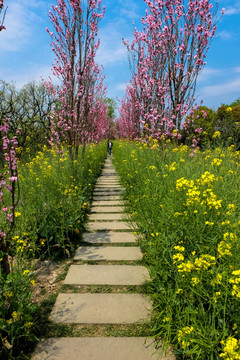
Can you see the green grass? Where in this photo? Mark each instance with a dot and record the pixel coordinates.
(187, 211)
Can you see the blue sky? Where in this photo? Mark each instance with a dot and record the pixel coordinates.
(25, 52)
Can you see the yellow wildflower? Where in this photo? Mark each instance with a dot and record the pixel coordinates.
(179, 248)
(231, 349)
(178, 257)
(195, 281)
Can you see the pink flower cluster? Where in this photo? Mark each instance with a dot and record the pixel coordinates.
(81, 116)
(9, 178)
(2, 27)
(166, 57)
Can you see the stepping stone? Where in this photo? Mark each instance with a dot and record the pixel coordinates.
(108, 185)
(105, 191)
(103, 180)
(107, 209)
(107, 217)
(98, 348)
(109, 237)
(109, 169)
(111, 187)
(106, 275)
(106, 180)
(110, 173)
(107, 202)
(108, 226)
(105, 253)
(109, 177)
(106, 197)
(101, 309)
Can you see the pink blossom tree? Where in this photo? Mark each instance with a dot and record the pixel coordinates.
(9, 193)
(80, 116)
(2, 15)
(166, 57)
(9, 186)
(128, 124)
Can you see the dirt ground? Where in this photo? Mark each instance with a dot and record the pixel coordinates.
(49, 277)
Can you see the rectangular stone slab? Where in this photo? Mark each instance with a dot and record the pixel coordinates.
(108, 226)
(108, 169)
(107, 202)
(99, 348)
(107, 217)
(106, 197)
(107, 188)
(106, 253)
(107, 209)
(106, 275)
(107, 181)
(101, 309)
(107, 192)
(109, 237)
(110, 174)
(109, 177)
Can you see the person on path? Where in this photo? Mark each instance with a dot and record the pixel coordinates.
(109, 147)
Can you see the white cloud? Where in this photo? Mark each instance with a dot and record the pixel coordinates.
(233, 10)
(208, 74)
(222, 89)
(129, 9)
(20, 24)
(236, 69)
(111, 50)
(225, 35)
(34, 72)
(121, 86)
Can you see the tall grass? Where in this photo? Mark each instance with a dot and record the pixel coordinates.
(187, 208)
(54, 198)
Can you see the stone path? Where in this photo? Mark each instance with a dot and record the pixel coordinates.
(109, 238)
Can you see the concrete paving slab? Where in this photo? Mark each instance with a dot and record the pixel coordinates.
(107, 209)
(107, 179)
(108, 185)
(106, 275)
(111, 187)
(98, 348)
(110, 173)
(109, 237)
(101, 309)
(107, 217)
(105, 253)
(107, 202)
(108, 226)
(106, 197)
(108, 169)
(108, 176)
(107, 192)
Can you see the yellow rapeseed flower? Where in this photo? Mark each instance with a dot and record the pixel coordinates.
(216, 135)
(179, 291)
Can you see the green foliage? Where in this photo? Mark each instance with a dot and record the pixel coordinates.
(55, 193)
(204, 118)
(227, 122)
(17, 312)
(28, 109)
(111, 104)
(187, 209)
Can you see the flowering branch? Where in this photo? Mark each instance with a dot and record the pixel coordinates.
(2, 27)
(81, 114)
(8, 184)
(166, 58)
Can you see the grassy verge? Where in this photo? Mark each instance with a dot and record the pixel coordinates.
(187, 209)
(54, 198)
